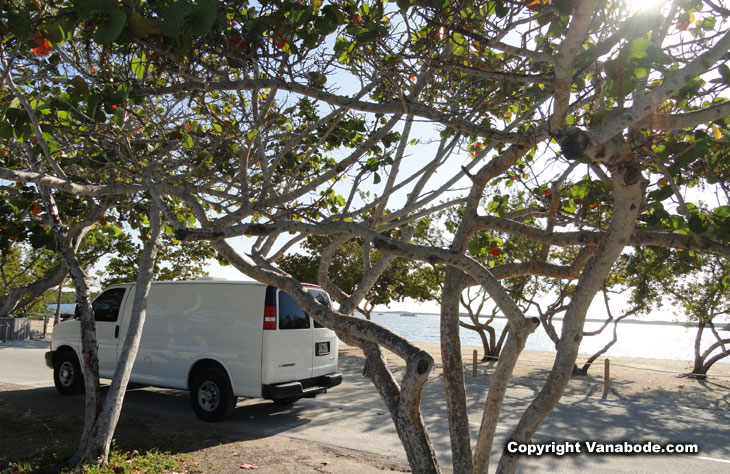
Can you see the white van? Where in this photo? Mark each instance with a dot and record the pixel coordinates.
(219, 339)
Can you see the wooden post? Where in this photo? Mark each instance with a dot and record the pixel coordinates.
(474, 364)
(606, 375)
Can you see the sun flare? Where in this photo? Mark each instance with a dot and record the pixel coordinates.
(645, 5)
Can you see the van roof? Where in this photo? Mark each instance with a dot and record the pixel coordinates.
(208, 281)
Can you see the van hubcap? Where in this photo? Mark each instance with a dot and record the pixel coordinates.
(209, 396)
(66, 374)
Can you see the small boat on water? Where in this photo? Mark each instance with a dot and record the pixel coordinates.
(408, 314)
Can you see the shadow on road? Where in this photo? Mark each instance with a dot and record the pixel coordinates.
(34, 420)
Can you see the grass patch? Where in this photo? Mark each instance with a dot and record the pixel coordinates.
(148, 462)
(43, 439)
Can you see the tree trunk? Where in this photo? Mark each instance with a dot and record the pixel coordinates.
(627, 203)
(482, 332)
(516, 340)
(453, 370)
(96, 451)
(89, 348)
(701, 362)
(592, 359)
(404, 405)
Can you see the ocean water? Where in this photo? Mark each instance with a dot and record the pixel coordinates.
(653, 340)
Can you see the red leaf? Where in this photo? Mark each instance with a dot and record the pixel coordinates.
(44, 47)
(494, 251)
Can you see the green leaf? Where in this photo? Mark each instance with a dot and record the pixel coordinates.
(252, 134)
(722, 211)
(203, 17)
(142, 26)
(676, 222)
(500, 9)
(327, 23)
(173, 18)
(403, 5)
(6, 130)
(661, 193)
(564, 7)
(19, 25)
(111, 27)
(579, 190)
(457, 43)
(725, 73)
(637, 48)
(367, 36)
(138, 65)
(697, 224)
(86, 9)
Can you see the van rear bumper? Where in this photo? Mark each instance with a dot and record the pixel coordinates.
(307, 388)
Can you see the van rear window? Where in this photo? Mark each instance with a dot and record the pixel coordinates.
(322, 299)
(291, 316)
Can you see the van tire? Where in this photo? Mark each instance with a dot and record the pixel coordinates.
(287, 401)
(211, 395)
(67, 375)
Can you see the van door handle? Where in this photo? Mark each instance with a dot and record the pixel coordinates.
(116, 332)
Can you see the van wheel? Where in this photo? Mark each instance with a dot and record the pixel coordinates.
(67, 375)
(211, 395)
(287, 401)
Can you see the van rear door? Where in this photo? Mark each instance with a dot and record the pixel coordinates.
(324, 355)
(288, 344)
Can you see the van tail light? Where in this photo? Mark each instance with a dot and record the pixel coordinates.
(269, 317)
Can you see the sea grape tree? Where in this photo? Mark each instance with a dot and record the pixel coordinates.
(268, 119)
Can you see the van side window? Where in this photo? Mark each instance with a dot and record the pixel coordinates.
(321, 298)
(106, 306)
(291, 316)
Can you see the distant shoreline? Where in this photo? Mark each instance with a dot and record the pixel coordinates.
(722, 326)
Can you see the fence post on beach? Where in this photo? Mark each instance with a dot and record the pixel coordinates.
(606, 374)
(474, 363)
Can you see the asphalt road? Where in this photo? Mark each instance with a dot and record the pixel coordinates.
(352, 416)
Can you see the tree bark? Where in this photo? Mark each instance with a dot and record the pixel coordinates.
(89, 348)
(453, 369)
(701, 362)
(404, 404)
(513, 347)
